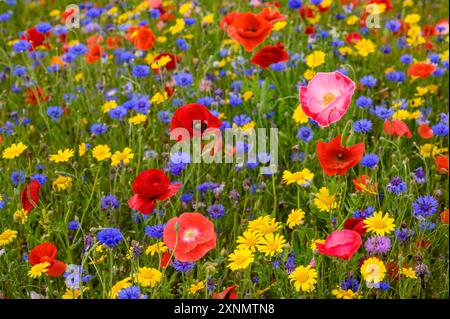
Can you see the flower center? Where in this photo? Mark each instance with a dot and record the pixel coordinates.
(340, 155)
(302, 277)
(379, 224)
(328, 98)
(190, 234)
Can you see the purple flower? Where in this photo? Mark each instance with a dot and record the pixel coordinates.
(396, 186)
(377, 245)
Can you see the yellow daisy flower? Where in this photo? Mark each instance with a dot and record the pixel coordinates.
(295, 218)
(101, 152)
(304, 278)
(379, 224)
(62, 156)
(14, 150)
(272, 244)
(373, 270)
(148, 277)
(7, 237)
(240, 259)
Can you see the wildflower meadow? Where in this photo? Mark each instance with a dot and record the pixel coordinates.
(292, 149)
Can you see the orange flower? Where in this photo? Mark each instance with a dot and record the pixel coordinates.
(142, 37)
(444, 216)
(421, 69)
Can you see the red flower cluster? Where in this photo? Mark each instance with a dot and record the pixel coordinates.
(270, 54)
(46, 252)
(341, 244)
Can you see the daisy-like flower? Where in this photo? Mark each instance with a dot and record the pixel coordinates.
(196, 287)
(249, 240)
(324, 201)
(20, 216)
(82, 149)
(38, 270)
(340, 293)
(62, 156)
(240, 259)
(157, 248)
(108, 106)
(304, 278)
(379, 224)
(299, 116)
(408, 272)
(302, 178)
(148, 277)
(14, 150)
(7, 237)
(373, 270)
(365, 47)
(295, 218)
(122, 157)
(101, 152)
(62, 183)
(315, 59)
(264, 225)
(272, 244)
(125, 283)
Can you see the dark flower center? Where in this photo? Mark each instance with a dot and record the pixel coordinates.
(340, 156)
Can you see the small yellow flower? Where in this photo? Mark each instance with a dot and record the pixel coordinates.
(408, 272)
(157, 248)
(304, 278)
(7, 237)
(351, 20)
(249, 240)
(82, 149)
(197, 287)
(315, 59)
(101, 152)
(158, 98)
(295, 218)
(247, 95)
(299, 116)
(309, 74)
(412, 18)
(73, 294)
(240, 259)
(125, 283)
(178, 27)
(379, 224)
(324, 201)
(272, 244)
(277, 26)
(344, 294)
(302, 178)
(208, 19)
(62, 183)
(38, 270)
(137, 119)
(62, 156)
(365, 47)
(20, 216)
(14, 150)
(264, 225)
(148, 277)
(122, 157)
(108, 106)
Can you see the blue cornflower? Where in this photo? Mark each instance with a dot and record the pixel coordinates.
(110, 236)
(350, 283)
(40, 178)
(368, 80)
(182, 44)
(280, 66)
(438, 72)
(406, 59)
(155, 231)
(393, 25)
(19, 70)
(43, 27)
(99, 128)
(382, 112)
(305, 134)
(109, 202)
(21, 46)
(141, 71)
(155, 13)
(396, 76)
(368, 212)
(183, 79)
(290, 262)
(17, 177)
(216, 211)
(425, 206)
(440, 129)
(362, 126)
(403, 233)
(73, 225)
(369, 160)
(294, 4)
(55, 112)
(78, 49)
(419, 175)
(235, 100)
(117, 113)
(364, 102)
(187, 197)
(297, 157)
(164, 116)
(427, 225)
(183, 266)
(132, 292)
(242, 119)
(396, 186)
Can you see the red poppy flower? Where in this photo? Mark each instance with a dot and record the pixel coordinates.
(172, 64)
(192, 114)
(387, 4)
(341, 244)
(149, 186)
(227, 20)
(337, 159)
(421, 69)
(190, 236)
(397, 128)
(356, 224)
(429, 30)
(271, 16)
(425, 131)
(441, 162)
(310, 29)
(249, 30)
(113, 42)
(166, 259)
(444, 216)
(142, 37)
(35, 38)
(362, 184)
(30, 195)
(306, 12)
(94, 54)
(352, 38)
(270, 54)
(46, 252)
(227, 293)
(35, 96)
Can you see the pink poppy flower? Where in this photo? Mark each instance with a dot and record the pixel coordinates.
(327, 97)
(341, 243)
